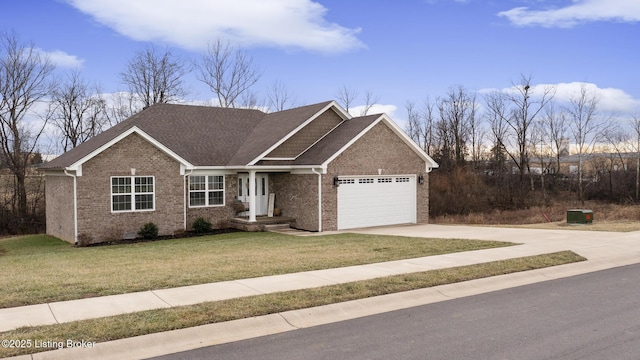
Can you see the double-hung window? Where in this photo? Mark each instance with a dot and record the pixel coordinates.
(206, 190)
(132, 193)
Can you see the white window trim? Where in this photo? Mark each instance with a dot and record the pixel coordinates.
(207, 191)
(132, 194)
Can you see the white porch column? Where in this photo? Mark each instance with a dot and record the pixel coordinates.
(252, 195)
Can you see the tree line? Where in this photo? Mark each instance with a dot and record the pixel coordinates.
(33, 97)
(503, 150)
(486, 145)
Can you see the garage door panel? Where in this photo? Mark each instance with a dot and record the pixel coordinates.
(385, 201)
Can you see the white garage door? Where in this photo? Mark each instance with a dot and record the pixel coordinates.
(376, 200)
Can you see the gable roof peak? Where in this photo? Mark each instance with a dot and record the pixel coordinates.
(216, 136)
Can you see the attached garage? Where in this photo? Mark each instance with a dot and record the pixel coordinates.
(365, 201)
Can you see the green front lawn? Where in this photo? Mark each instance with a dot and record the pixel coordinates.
(153, 321)
(39, 269)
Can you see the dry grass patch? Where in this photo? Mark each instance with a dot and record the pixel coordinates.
(615, 226)
(147, 322)
(608, 217)
(40, 269)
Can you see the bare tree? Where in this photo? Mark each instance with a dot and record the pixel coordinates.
(586, 128)
(24, 81)
(250, 100)
(518, 109)
(616, 141)
(279, 98)
(555, 127)
(457, 112)
(227, 71)
(540, 149)
(420, 124)
(414, 124)
(78, 111)
(476, 132)
(120, 106)
(497, 105)
(370, 99)
(427, 127)
(155, 76)
(345, 96)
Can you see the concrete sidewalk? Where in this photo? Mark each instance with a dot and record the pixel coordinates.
(603, 249)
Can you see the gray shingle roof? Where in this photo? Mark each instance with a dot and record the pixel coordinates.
(203, 136)
(271, 129)
(335, 140)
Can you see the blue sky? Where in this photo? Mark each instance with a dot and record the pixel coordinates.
(402, 50)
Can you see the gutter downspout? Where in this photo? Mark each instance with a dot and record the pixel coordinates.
(319, 198)
(184, 197)
(75, 206)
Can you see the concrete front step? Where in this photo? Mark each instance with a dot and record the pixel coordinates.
(262, 223)
(272, 227)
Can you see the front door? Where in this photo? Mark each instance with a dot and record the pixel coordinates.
(261, 187)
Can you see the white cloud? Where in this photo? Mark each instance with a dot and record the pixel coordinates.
(579, 11)
(610, 100)
(61, 59)
(375, 109)
(192, 24)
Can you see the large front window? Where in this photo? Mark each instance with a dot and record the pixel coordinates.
(206, 190)
(132, 193)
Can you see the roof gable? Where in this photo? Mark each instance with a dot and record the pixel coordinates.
(77, 165)
(336, 141)
(200, 136)
(276, 128)
(311, 133)
(347, 133)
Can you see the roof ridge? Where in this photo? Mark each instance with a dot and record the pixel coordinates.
(217, 135)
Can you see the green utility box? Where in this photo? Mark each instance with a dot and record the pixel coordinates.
(579, 216)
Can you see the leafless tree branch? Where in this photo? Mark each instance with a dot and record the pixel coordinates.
(228, 72)
(78, 111)
(24, 81)
(155, 76)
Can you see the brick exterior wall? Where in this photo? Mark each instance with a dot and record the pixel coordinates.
(296, 194)
(96, 221)
(379, 148)
(307, 135)
(297, 197)
(218, 216)
(59, 206)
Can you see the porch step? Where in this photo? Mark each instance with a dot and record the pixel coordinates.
(276, 227)
(263, 223)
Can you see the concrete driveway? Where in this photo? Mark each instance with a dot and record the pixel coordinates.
(594, 245)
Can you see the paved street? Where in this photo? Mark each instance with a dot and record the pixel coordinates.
(590, 316)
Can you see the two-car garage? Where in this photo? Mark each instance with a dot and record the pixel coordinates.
(365, 201)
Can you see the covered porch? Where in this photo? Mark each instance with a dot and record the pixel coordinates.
(277, 196)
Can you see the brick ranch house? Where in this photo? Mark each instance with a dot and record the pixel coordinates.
(171, 164)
